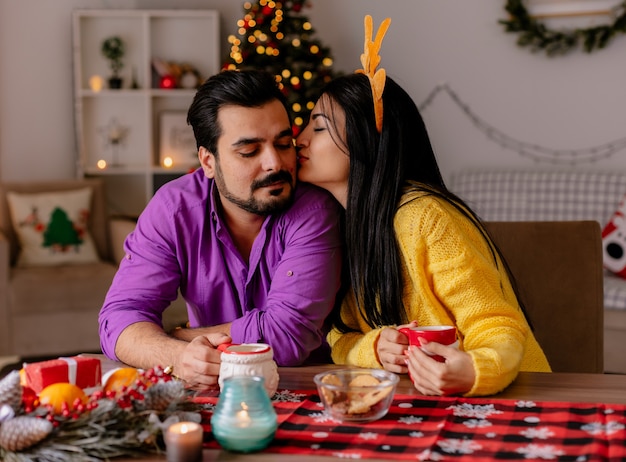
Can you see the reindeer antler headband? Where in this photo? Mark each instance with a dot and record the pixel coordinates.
(370, 59)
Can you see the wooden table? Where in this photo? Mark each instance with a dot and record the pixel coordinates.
(535, 386)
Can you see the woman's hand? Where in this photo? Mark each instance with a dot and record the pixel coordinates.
(391, 347)
(454, 376)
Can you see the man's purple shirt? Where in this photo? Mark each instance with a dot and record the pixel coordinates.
(281, 297)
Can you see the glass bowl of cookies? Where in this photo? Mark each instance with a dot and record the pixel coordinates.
(356, 395)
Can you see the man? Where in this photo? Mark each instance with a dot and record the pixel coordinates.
(256, 258)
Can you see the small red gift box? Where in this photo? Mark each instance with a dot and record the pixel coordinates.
(81, 371)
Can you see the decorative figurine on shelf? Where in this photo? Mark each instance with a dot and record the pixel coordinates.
(114, 137)
(113, 49)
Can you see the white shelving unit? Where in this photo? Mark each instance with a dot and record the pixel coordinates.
(133, 166)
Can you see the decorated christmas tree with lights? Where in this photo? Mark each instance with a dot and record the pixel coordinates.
(277, 37)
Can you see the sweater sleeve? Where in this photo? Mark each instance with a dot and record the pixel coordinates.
(354, 348)
(453, 277)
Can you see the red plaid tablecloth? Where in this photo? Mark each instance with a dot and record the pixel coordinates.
(425, 428)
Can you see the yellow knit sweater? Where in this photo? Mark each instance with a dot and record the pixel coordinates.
(450, 278)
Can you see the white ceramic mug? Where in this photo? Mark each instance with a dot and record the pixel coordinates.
(249, 359)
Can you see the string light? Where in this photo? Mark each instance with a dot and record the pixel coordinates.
(533, 151)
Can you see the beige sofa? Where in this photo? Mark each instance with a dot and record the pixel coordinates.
(54, 310)
(556, 195)
(50, 311)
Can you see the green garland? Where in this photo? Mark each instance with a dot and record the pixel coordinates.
(129, 423)
(537, 36)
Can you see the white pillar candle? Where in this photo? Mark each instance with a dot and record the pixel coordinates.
(183, 441)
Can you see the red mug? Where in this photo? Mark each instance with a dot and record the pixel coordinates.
(446, 335)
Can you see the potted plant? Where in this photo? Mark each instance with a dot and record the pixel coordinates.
(113, 50)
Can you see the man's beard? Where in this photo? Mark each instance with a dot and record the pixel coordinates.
(253, 205)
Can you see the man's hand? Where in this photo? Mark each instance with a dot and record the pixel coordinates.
(199, 365)
(454, 376)
(391, 347)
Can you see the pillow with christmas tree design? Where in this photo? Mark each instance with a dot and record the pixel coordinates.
(52, 227)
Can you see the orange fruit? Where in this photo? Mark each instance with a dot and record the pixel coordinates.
(120, 378)
(57, 394)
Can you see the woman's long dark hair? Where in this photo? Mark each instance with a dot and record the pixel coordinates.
(381, 166)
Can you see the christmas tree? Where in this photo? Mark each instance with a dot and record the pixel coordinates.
(275, 36)
(60, 233)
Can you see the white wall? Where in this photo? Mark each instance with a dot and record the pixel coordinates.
(569, 102)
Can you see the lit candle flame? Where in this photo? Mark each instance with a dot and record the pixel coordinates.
(243, 418)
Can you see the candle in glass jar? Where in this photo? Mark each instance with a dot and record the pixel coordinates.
(244, 419)
(183, 441)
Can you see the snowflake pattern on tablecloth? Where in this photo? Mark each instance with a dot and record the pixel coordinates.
(410, 420)
(540, 451)
(429, 455)
(416, 435)
(286, 396)
(479, 411)
(368, 435)
(525, 404)
(597, 428)
(458, 446)
(477, 423)
(321, 417)
(209, 407)
(542, 433)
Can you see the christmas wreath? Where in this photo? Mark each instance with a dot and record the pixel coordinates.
(126, 420)
(537, 36)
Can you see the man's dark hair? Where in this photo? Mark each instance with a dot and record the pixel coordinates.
(250, 88)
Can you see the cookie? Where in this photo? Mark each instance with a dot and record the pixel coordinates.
(362, 402)
(364, 380)
(329, 395)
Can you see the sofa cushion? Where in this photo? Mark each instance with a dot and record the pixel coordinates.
(69, 288)
(614, 241)
(52, 227)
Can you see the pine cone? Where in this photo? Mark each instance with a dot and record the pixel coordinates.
(160, 395)
(23, 432)
(11, 390)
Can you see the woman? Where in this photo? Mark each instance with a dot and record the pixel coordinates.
(416, 254)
